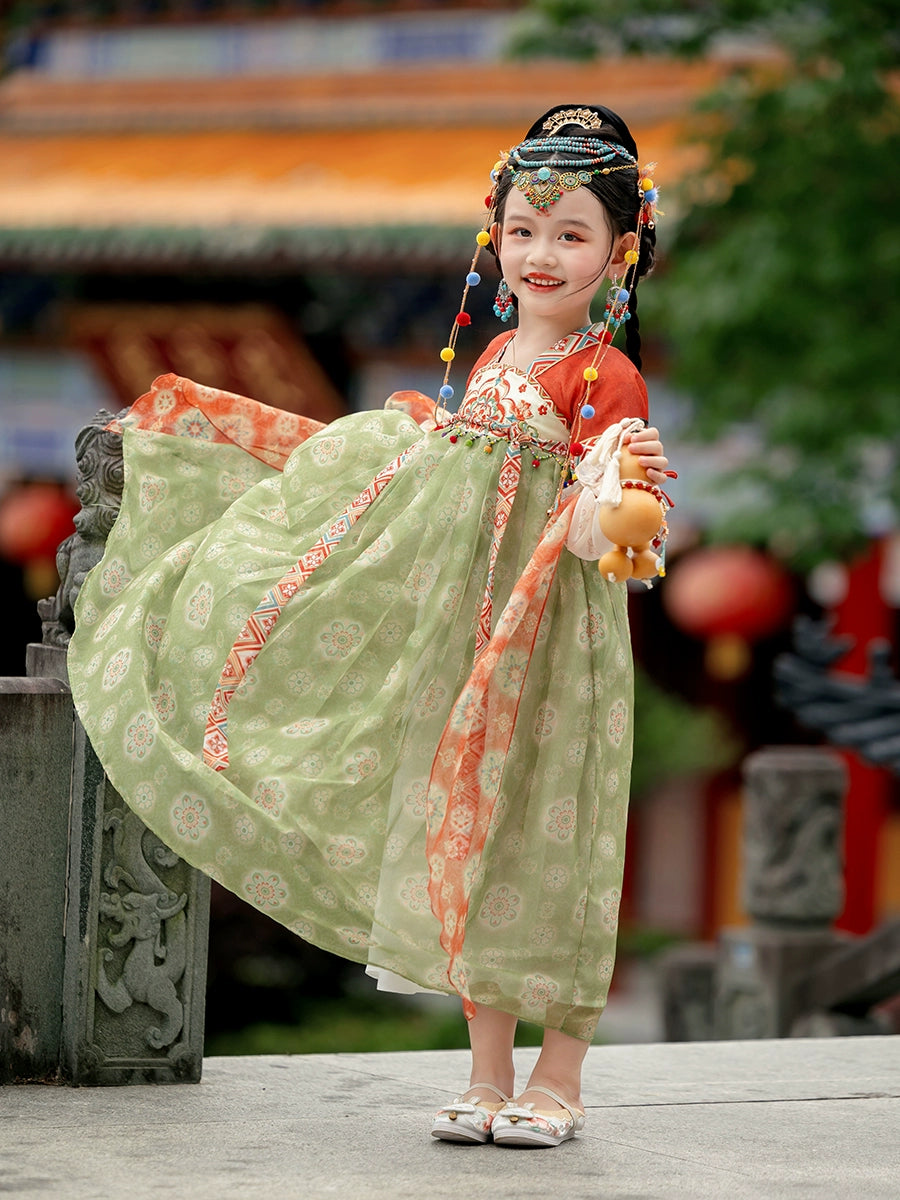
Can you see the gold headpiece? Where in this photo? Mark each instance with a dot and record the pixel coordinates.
(585, 117)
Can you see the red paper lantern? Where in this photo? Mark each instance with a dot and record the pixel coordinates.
(728, 595)
(34, 519)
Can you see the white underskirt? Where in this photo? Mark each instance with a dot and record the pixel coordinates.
(388, 981)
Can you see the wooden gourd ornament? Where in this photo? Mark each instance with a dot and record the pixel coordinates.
(631, 525)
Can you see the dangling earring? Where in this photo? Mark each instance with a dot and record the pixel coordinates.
(616, 306)
(503, 301)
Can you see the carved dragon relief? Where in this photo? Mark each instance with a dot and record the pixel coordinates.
(151, 921)
(791, 847)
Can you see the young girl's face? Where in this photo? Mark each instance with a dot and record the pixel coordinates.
(555, 261)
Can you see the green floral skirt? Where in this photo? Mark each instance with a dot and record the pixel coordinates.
(320, 816)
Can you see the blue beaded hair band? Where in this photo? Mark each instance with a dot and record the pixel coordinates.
(589, 151)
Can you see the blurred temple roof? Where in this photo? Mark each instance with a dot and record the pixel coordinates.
(280, 172)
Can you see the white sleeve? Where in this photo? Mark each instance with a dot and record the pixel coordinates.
(597, 479)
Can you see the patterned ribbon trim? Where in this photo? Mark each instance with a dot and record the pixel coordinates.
(261, 621)
(517, 433)
(571, 344)
(467, 771)
(507, 485)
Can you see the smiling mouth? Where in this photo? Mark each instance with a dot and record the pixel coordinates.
(542, 281)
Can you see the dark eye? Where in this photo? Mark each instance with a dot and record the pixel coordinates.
(571, 237)
(519, 231)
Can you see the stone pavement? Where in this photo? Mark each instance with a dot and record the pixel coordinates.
(705, 1121)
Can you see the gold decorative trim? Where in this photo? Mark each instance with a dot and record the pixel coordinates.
(585, 117)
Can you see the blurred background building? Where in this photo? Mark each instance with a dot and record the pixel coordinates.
(280, 199)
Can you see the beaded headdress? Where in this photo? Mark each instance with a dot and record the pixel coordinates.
(542, 167)
(539, 177)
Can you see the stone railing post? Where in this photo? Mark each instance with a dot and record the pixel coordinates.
(134, 987)
(103, 974)
(36, 728)
(792, 888)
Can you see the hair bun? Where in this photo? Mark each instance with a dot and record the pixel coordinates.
(591, 117)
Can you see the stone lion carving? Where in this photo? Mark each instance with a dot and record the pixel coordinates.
(100, 478)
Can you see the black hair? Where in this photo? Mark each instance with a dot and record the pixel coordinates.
(618, 192)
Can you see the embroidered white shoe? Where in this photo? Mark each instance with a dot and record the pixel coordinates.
(524, 1125)
(468, 1120)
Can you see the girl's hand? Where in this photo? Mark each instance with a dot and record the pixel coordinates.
(649, 449)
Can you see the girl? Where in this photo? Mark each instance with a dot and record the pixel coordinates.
(356, 673)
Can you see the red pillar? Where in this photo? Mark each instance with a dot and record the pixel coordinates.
(863, 615)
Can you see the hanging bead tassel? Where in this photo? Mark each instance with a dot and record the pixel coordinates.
(503, 301)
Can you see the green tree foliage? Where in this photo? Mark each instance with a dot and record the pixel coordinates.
(780, 283)
(673, 738)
